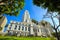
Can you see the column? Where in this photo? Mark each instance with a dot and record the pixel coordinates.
(24, 28)
(13, 26)
(21, 28)
(49, 32)
(40, 31)
(31, 30)
(17, 27)
(8, 27)
(27, 28)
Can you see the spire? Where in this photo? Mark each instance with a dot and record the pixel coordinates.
(26, 17)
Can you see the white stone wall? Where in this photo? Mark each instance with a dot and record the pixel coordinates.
(23, 32)
(31, 31)
(39, 32)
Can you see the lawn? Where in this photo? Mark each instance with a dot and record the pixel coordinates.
(23, 38)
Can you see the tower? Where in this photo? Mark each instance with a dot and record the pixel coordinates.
(26, 17)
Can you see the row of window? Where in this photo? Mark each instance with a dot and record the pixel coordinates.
(42, 30)
(20, 28)
(23, 24)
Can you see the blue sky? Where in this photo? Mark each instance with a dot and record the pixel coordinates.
(35, 12)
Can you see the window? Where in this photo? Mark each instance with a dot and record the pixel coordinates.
(19, 28)
(26, 20)
(28, 28)
(25, 28)
(10, 24)
(38, 30)
(43, 30)
(22, 27)
(15, 26)
(10, 27)
(29, 25)
(46, 30)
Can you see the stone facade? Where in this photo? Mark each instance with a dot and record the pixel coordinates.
(27, 27)
(45, 28)
(3, 22)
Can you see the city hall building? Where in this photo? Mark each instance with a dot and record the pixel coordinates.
(28, 28)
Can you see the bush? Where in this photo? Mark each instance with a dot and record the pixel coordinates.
(53, 38)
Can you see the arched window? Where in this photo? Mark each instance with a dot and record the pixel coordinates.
(38, 30)
(25, 28)
(10, 27)
(15, 26)
(19, 28)
(28, 28)
(10, 24)
(22, 27)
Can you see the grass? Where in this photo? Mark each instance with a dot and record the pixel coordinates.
(24, 38)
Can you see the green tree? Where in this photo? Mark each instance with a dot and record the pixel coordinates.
(34, 21)
(0, 28)
(54, 34)
(44, 22)
(51, 6)
(11, 7)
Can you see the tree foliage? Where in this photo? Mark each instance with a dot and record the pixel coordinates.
(0, 28)
(34, 21)
(44, 22)
(51, 5)
(54, 34)
(11, 7)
